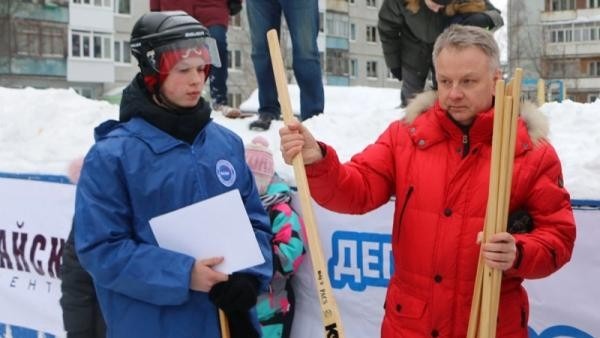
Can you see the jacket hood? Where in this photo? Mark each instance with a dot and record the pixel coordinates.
(535, 120)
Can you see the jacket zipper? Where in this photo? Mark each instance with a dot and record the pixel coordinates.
(408, 194)
(466, 145)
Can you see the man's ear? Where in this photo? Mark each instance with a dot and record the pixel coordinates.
(497, 74)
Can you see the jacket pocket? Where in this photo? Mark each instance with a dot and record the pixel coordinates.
(400, 306)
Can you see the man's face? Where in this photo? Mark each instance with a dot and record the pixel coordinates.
(183, 86)
(466, 82)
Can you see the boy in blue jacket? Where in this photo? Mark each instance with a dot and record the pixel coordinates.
(163, 154)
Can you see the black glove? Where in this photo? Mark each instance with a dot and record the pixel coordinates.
(236, 294)
(520, 222)
(397, 72)
(235, 6)
(240, 325)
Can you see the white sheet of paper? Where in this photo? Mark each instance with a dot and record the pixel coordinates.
(218, 226)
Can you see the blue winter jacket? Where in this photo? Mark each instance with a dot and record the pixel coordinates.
(133, 173)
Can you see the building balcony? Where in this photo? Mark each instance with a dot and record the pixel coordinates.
(583, 84)
(572, 15)
(578, 49)
(337, 6)
(91, 18)
(90, 70)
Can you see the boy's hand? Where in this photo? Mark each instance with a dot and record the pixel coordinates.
(203, 277)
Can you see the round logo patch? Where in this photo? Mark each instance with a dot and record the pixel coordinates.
(225, 172)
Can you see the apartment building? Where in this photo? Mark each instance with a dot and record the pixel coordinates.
(366, 63)
(558, 41)
(84, 44)
(33, 35)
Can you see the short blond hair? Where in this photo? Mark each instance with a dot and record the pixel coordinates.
(461, 37)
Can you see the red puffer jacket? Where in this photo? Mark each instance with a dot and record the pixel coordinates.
(440, 207)
(208, 12)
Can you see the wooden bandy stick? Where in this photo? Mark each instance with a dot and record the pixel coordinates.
(224, 323)
(486, 294)
(490, 211)
(332, 323)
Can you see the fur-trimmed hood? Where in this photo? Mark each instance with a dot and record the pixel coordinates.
(535, 120)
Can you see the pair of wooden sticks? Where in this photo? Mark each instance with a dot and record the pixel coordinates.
(486, 293)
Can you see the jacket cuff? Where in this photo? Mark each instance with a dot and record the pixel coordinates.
(325, 165)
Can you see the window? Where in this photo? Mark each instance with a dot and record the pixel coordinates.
(321, 25)
(592, 98)
(562, 5)
(97, 3)
(353, 68)
(91, 45)
(352, 32)
(39, 39)
(122, 52)
(27, 41)
(337, 25)
(337, 62)
(371, 3)
(234, 59)
(593, 3)
(371, 34)
(372, 69)
(594, 68)
(123, 7)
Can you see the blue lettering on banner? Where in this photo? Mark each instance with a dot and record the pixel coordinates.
(360, 259)
(560, 331)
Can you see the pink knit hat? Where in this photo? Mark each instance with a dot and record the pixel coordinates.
(260, 161)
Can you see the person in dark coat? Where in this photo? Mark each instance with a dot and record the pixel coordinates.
(82, 317)
(408, 30)
(214, 15)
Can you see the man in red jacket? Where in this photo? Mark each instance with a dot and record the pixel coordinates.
(436, 162)
(214, 15)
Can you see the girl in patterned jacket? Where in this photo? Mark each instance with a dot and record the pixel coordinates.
(276, 307)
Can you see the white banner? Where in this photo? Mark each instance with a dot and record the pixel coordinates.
(563, 305)
(35, 218)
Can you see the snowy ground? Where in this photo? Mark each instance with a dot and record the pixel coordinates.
(42, 130)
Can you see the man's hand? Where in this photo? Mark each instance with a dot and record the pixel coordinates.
(295, 138)
(204, 277)
(500, 251)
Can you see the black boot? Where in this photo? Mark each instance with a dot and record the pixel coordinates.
(263, 123)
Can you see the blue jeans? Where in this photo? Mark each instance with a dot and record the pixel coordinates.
(302, 17)
(218, 75)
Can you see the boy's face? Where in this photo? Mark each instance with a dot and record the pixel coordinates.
(183, 85)
(466, 82)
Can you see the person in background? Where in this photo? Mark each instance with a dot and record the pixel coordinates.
(214, 15)
(166, 153)
(276, 307)
(436, 163)
(302, 19)
(409, 28)
(81, 313)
